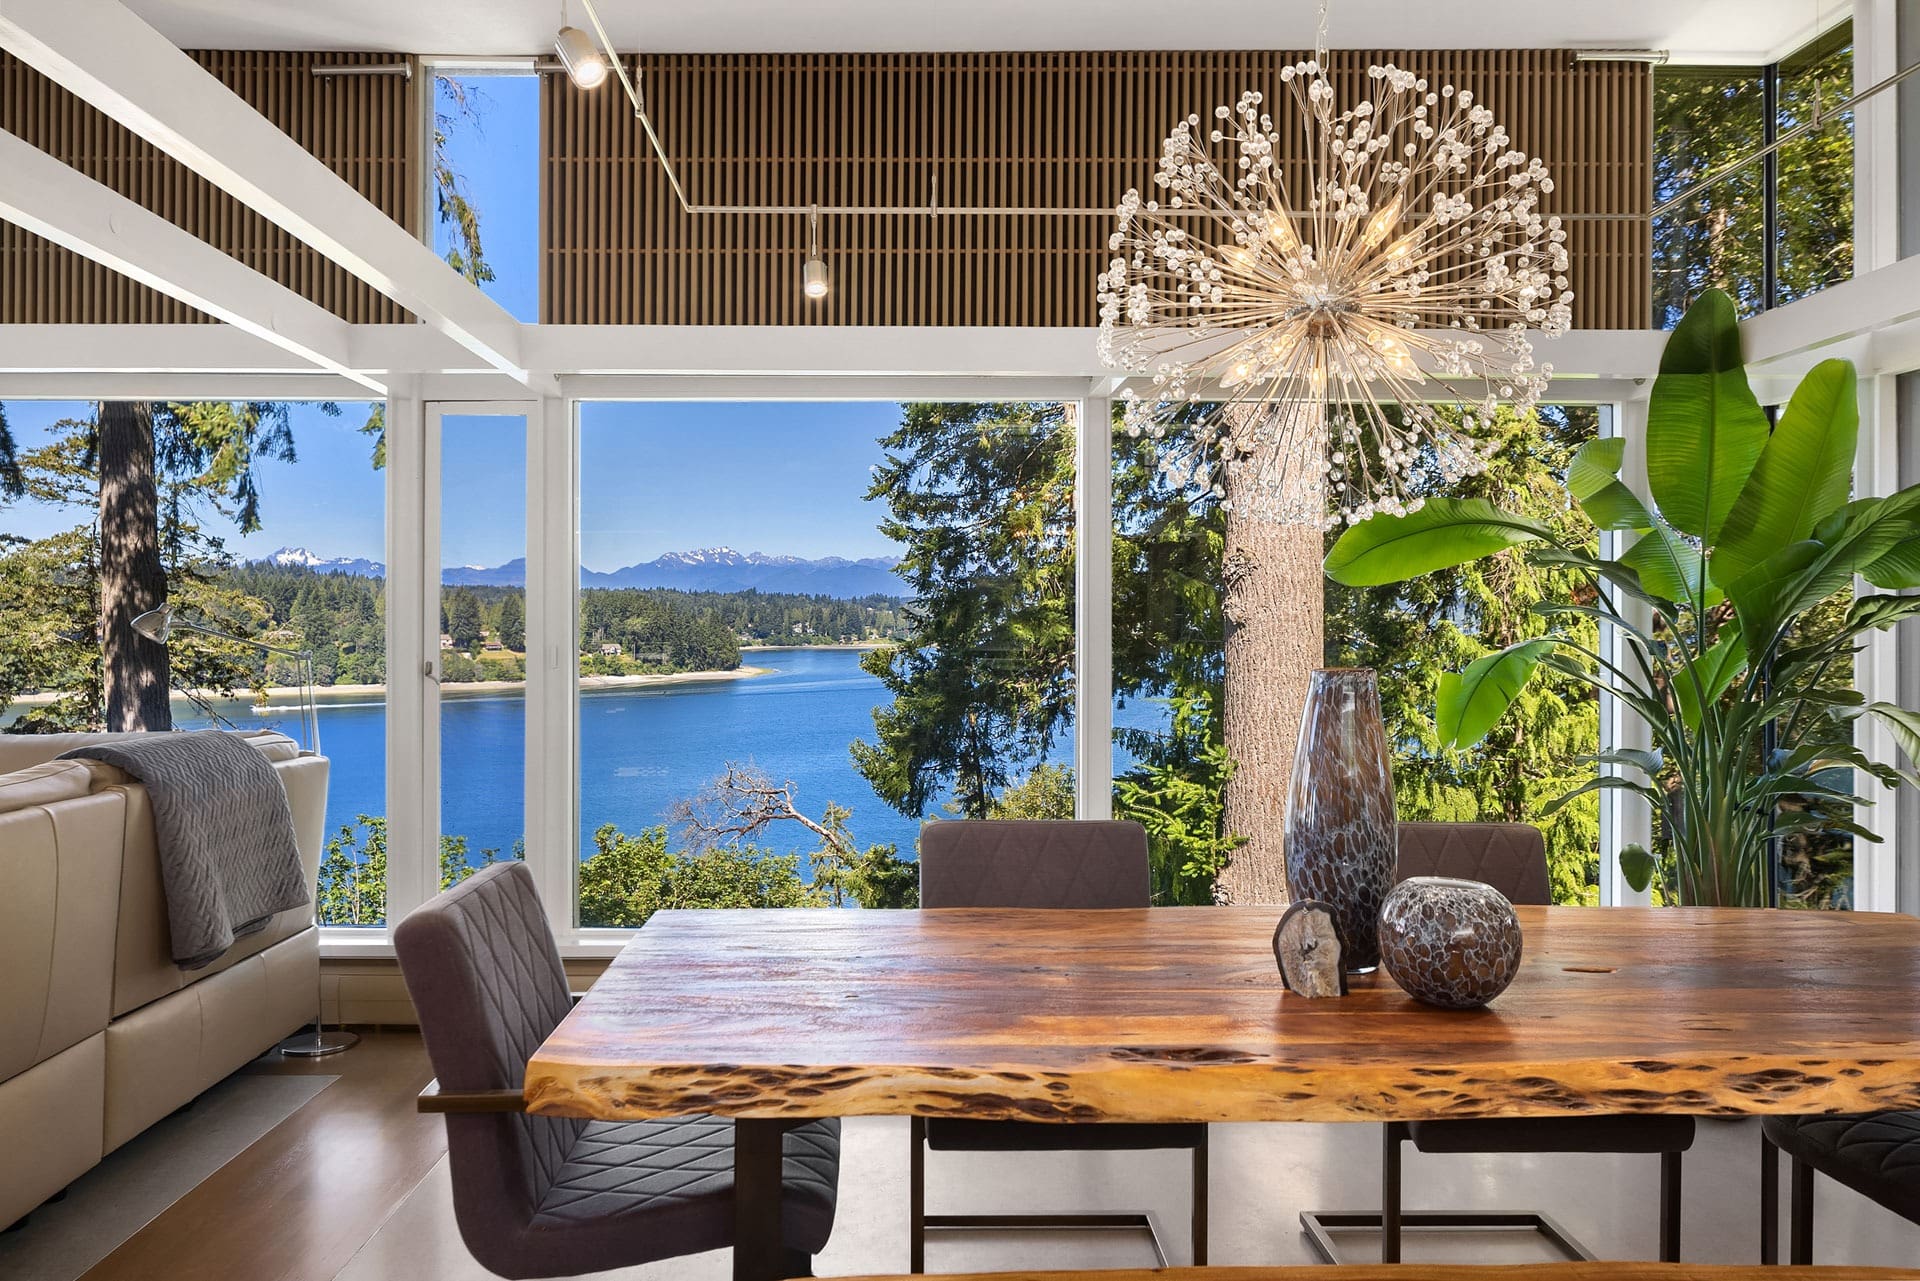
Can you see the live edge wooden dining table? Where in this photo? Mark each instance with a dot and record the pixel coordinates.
(1178, 1014)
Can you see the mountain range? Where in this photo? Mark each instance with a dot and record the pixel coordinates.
(709, 569)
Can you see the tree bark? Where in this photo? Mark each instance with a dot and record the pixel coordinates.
(1272, 596)
(132, 579)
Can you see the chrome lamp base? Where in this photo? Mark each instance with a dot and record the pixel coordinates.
(318, 1044)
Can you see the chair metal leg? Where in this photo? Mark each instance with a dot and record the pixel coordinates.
(1392, 1134)
(1769, 1203)
(917, 1199)
(1669, 1207)
(1801, 1248)
(1200, 1201)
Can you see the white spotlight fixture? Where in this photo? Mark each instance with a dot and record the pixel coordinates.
(579, 54)
(813, 280)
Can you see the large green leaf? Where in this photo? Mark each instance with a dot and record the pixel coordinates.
(1670, 567)
(1803, 476)
(1800, 575)
(1709, 676)
(1705, 430)
(1444, 533)
(1898, 569)
(1903, 725)
(1594, 479)
(1471, 701)
(1877, 613)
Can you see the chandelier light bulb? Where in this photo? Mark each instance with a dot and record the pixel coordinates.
(1368, 316)
(581, 57)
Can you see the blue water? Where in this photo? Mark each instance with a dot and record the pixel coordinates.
(641, 750)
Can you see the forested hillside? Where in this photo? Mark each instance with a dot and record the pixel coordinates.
(623, 631)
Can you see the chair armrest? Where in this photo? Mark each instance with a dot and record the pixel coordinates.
(435, 1099)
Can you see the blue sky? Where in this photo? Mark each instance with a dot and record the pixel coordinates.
(659, 477)
(655, 477)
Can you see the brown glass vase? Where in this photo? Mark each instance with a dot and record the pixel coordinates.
(1341, 837)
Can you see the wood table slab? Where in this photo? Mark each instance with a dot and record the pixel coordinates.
(1450, 1272)
(1178, 1015)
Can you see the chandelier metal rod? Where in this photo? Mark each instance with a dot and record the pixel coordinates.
(1821, 119)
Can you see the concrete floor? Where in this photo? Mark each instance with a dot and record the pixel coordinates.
(1262, 1177)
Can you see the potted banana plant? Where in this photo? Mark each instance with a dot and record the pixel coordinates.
(1751, 536)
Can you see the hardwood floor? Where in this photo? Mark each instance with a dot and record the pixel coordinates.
(298, 1203)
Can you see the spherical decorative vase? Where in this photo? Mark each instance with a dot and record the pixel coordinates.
(1341, 835)
(1448, 942)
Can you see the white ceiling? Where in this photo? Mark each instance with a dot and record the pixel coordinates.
(1719, 30)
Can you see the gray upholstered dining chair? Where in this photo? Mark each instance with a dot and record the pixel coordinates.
(1877, 1154)
(1511, 857)
(540, 1196)
(1032, 863)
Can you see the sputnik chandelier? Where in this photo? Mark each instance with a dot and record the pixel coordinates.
(1319, 326)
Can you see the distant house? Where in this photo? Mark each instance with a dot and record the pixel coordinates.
(446, 641)
(494, 646)
(610, 650)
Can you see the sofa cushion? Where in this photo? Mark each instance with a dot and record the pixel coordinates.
(44, 784)
(18, 751)
(59, 893)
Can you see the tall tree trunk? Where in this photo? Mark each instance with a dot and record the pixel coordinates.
(1272, 595)
(132, 579)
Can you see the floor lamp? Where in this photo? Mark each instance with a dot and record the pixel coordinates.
(159, 625)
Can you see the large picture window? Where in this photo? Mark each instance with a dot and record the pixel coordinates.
(1203, 779)
(1769, 232)
(267, 524)
(806, 628)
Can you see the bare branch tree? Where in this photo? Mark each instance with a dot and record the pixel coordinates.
(743, 802)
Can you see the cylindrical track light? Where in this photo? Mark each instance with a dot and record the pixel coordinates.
(813, 279)
(581, 57)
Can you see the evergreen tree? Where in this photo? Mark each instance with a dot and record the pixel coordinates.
(980, 496)
(513, 622)
(463, 620)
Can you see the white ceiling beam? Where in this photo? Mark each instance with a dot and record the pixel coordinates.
(606, 353)
(148, 385)
(1841, 320)
(99, 50)
(67, 350)
(63, 205)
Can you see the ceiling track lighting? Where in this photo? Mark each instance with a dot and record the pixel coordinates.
(813, 279)
(579, 54)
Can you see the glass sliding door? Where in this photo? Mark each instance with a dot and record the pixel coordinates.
(477, 706)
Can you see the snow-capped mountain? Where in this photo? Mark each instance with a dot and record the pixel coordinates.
(722, 569)
(304, 559)
(706, 569)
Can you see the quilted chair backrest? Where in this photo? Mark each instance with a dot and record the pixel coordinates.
(1057, 863)
(487, 985)
(1511, 857)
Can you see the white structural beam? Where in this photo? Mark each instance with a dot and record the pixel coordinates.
(99, 50)
(61, 204)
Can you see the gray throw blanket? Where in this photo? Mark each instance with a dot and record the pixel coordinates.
(228, 857)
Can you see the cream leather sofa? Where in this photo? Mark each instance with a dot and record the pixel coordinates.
(101, 1034)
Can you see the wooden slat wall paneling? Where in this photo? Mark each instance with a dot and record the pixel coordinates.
(1044, 129)
(362, 126)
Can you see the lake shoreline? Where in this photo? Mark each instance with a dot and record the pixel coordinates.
(327, 693)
